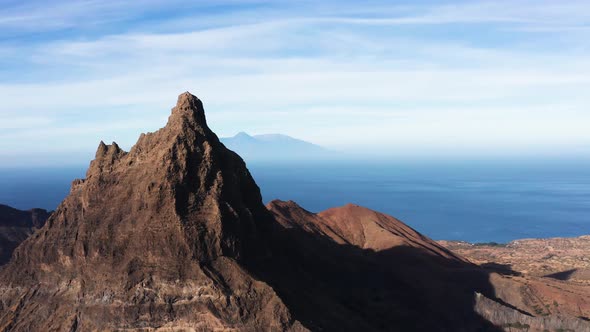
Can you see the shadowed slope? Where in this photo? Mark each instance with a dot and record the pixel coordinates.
(353, 269)
(16, 226)
(376, 273)
(360, 227)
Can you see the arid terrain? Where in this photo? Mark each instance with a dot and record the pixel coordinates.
(565, 259)
(173, 236)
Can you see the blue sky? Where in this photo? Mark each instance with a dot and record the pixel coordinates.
(460, 78)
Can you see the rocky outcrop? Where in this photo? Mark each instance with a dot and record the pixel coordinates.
(16, 226)
(151, 238)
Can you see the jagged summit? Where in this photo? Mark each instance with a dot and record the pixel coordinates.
(104, 149)
(105, 158)
(188, 108)
(185, 133)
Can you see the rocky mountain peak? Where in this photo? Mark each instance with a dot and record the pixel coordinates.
(188, 115)
(185, 140)
(174, 215)
(105, 158)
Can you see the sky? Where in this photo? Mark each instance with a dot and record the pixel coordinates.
(453, 78)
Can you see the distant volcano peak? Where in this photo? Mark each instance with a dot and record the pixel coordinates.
(243, 134)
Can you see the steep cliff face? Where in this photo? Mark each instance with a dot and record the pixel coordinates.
(16, 226)
(150, 238)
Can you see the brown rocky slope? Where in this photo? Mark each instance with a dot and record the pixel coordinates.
(173, 236)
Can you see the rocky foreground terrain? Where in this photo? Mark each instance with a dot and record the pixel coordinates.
(173, 236)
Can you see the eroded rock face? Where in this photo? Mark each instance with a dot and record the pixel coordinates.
(151, 238)
(16, 226)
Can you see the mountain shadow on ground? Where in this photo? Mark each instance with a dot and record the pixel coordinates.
(338, 287)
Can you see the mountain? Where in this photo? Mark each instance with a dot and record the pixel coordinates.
(151, 238)
(16, 226)
(173, 236)
(358, 226)
(273, 147)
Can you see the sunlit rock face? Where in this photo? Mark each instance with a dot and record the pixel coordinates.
(150, 238)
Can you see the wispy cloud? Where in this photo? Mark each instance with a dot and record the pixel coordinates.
(304, 68)
(30, 122)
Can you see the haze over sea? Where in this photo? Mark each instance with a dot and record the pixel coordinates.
(473, 201)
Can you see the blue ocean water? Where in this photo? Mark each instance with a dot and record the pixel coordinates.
(26, 188)
(471, 201)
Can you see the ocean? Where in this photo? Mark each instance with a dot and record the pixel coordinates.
(472, 201)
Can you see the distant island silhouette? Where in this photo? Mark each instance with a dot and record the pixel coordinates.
(275, 147)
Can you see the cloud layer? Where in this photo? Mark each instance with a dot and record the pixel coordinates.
(448, 78)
